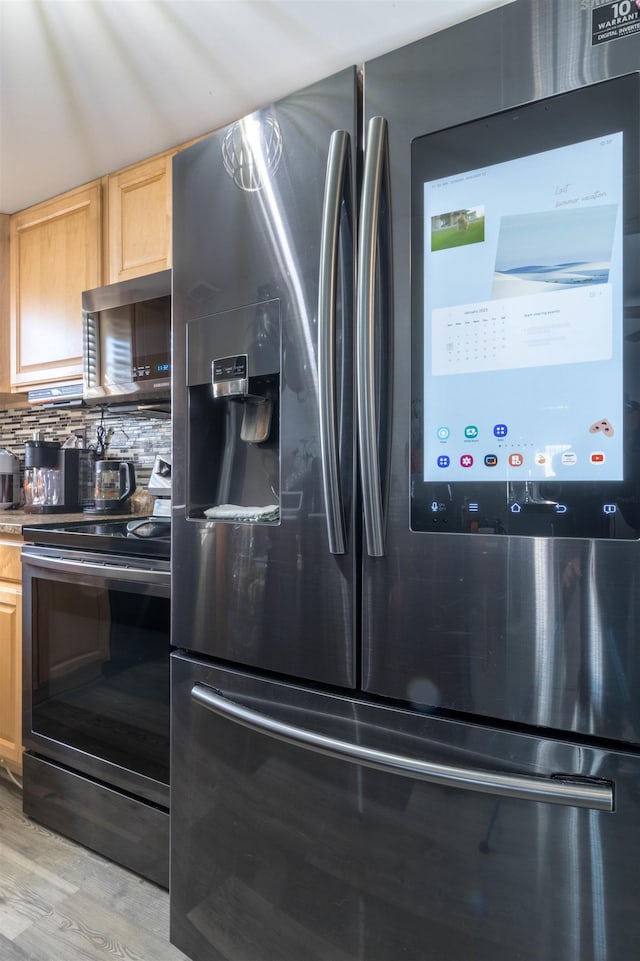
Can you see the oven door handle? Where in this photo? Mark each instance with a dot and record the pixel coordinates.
(66, 566)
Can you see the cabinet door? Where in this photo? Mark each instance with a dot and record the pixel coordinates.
(7, 398)
(10, 675)
(139, 219)
(55, 255)
(4, 303)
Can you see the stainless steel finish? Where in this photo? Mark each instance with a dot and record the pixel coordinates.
(93, 815)
(256, 420)
(159, 484)
(57, 395)
(531, 630)
(95, 728)
(507, 654)
(10, 492)
(399, 859)
(368, 399)
(127, 292)
(338, 171)
(230, 388)
(117, 386)
(141, 576)
(561, 790)
(103, 566)
(241, 588)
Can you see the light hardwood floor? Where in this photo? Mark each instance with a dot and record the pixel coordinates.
(61, 902)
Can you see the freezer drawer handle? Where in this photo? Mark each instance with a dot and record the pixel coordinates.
(337, 186)
(566, 790)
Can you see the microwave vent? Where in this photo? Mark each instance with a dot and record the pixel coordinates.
(57, 395)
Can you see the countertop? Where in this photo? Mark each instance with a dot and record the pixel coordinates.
(12, 521)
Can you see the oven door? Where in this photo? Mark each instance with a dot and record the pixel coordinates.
(96, 669)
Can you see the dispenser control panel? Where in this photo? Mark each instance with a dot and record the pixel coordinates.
(230, 376)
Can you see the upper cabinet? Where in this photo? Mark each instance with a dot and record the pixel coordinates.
(64, 246)
(56, 253)
(4, 304)
(138, 204)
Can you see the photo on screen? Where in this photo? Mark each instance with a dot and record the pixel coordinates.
(554, 250)
(457, 228)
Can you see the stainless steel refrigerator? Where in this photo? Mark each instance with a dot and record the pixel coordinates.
(407, 506)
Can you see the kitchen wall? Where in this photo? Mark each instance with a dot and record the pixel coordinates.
(136, 437)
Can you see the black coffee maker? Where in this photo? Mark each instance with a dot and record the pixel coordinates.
(56, 479)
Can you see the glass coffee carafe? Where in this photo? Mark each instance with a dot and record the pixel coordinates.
(115, 482)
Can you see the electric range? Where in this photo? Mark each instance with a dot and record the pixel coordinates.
(96, 629)
(134, 536)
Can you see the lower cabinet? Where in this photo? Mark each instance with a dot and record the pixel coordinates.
(10, 655)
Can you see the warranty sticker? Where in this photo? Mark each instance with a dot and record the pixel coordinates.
(611, 21)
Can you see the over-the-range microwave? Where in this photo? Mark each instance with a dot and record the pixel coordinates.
(126, 341)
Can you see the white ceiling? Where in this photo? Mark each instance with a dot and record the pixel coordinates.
(90, 86)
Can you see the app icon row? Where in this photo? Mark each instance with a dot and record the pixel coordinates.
(516, 459)
(471, 432)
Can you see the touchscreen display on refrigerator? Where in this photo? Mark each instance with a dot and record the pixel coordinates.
(523, 317)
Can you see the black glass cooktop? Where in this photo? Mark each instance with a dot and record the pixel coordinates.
(148, 537)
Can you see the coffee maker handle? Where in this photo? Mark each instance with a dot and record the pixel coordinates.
(127, 479)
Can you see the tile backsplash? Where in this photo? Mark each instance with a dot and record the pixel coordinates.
(136, 437)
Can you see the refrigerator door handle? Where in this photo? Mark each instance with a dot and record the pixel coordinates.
(375, 167)
(567, 790)
(337, 181)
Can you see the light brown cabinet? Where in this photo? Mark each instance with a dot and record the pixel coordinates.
(55, 253)
(7, 399)
(10, 655)
(66, 245)
(5, 384)
(138, 204)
